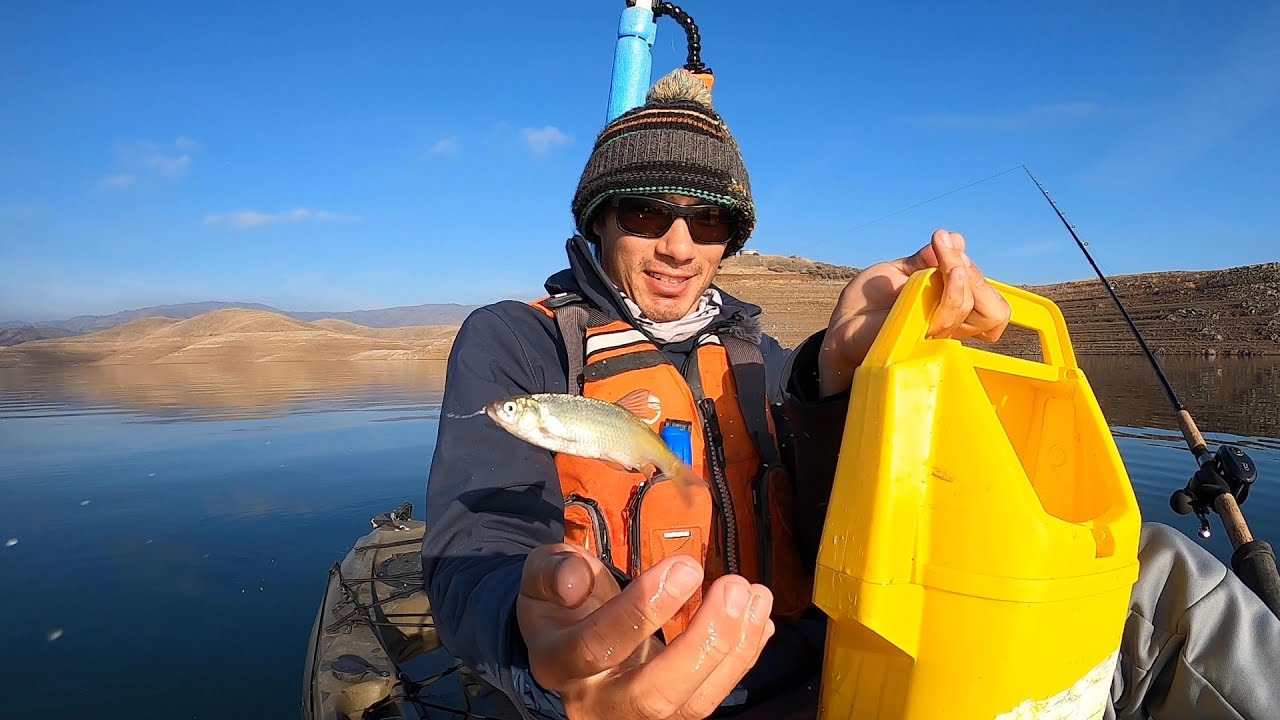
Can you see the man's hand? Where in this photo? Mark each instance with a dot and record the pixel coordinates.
(595, 645)
(970, 307)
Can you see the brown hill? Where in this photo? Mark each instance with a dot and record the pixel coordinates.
(1235, 311)
(1232, 311)
(128, 332)
(232, 320)
(221, 336)
(420, 335)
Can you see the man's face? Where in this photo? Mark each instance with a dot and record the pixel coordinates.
(665, 276)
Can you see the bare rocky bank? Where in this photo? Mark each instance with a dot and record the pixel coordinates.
(1235, 311)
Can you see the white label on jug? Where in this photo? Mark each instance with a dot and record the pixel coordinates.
(1086, 699)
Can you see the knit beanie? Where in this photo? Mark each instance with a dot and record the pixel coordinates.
(675, 144)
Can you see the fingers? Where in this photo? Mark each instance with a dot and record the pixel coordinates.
(957, 296)
(991, 312)
(970, 306)
(696, 671)
(726, 676)
(558, 574)
(610, 634)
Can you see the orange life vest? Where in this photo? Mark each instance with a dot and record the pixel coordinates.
(742, 525)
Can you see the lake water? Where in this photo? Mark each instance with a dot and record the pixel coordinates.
(175, 525)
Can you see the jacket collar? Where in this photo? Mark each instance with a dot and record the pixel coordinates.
(586, 277)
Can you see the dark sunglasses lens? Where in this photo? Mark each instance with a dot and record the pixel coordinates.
(642, 217)
(713, 226)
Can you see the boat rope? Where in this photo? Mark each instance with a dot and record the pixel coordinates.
(363, 612)
(398, 543)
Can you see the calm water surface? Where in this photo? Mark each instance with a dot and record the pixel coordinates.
(174, 525)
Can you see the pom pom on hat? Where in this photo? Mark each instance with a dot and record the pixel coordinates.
(677, 85)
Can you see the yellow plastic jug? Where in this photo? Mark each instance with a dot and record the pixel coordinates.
(981, 540)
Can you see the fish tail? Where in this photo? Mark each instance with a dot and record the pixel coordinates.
(685, 479)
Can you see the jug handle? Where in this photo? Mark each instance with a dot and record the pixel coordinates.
(908, 321)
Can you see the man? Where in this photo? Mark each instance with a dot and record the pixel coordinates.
(582, 592)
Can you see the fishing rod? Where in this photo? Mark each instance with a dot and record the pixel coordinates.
(1222, 481)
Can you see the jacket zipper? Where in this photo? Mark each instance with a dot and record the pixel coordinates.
(597, 523)
(633, 526)
(714, 441)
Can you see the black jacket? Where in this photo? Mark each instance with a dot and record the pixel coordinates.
(492, 497)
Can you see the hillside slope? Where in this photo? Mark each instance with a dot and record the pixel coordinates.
(223, 336)
(1235, 311)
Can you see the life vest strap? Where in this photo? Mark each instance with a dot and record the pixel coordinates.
(572, 321)
(747, 362)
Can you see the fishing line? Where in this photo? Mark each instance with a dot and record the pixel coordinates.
(464, 417)
(1224, 477)
(938, 197)
(1178, 407)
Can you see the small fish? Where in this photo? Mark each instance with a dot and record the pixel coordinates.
(613, 432)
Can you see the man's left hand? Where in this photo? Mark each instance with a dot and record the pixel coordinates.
(970, 307)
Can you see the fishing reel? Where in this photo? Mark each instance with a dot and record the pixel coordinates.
(1228, 471)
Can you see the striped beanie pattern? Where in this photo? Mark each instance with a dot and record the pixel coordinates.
(676, 144)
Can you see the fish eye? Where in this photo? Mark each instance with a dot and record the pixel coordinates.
(509, 407)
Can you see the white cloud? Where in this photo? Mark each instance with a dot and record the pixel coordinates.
(118, 182)
(171, 166)
(243, 219)
(145, 160)
(543, 140)
(445, 146)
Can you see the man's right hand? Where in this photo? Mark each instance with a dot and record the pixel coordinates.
(594, 644)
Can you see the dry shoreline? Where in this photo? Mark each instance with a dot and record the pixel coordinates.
(1235, 311)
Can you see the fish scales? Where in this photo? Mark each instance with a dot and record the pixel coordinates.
(592, 428)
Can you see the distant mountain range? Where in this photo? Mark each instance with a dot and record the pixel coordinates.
(13, 332)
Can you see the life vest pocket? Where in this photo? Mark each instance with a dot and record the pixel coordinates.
(662, 524)
(586, 527)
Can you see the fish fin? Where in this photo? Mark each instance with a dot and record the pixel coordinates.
(636, 402)
(685, 479)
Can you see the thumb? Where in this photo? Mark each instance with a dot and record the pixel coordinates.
(557, 573)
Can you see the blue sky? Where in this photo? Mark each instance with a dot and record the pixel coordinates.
(329, 157)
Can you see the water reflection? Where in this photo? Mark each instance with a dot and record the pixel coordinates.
(229, 391)
(236, 522)
(1239, 396)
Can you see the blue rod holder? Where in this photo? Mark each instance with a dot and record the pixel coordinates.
(632, 60)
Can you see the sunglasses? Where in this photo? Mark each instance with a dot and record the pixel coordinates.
(652, 217)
